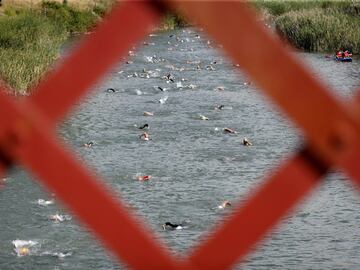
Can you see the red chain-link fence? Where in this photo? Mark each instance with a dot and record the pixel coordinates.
(27, 133)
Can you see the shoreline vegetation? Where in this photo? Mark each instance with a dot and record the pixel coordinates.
(30, 39)
(31, 35)
(316, 25)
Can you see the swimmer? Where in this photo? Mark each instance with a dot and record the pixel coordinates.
(163, 100)
(144, 136)
(203, 117)
(22, 247)
(169, 77)
(224, 204)
(210, 67)
(2, 182)
(148, 114)
(217, 108)
(170, 226)
(134, 75)
(88, 144)
(43, 202)
(193, 62)
(229, 130)
(57, 218)
(246, 142)
(145, 126)
(220, 88)
(23, 251)
(143, 177)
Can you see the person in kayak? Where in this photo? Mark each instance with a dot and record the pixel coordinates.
(343, 54)
(347, 54)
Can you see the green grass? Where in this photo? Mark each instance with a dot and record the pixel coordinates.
(172, 21)
(317, 25)
(30, 40)
(279, 7)
(318, 30)
(71, 19)
(28, 46)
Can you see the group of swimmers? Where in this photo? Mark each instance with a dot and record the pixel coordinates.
(26, 247)
(146, 137)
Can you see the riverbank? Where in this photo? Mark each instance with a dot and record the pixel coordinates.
(31, 34)
(172, 21)
(320, 26)
(30, 39)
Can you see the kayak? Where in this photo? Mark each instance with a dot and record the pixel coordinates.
(343, 59)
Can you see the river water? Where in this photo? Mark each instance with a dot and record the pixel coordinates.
(194, 165)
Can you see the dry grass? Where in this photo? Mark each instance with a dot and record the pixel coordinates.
(80, 4)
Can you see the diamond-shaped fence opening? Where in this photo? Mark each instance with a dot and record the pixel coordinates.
(27, 133)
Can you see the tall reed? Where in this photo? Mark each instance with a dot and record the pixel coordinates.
(30, 40)
(320, 30)
(316, 25)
